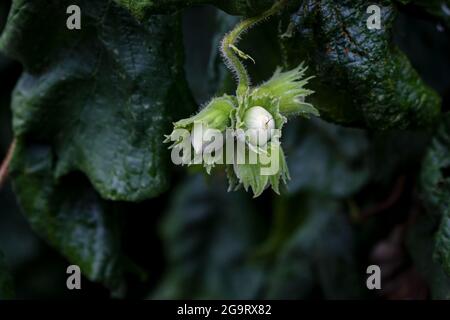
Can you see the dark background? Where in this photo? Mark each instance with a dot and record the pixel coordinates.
(39, 271)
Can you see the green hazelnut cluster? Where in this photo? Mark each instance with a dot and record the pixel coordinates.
(254, 117)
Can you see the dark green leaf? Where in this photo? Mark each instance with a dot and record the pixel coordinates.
(6, 285)
(326, 158)
(213, 240)
(319, 252)
(209, 236)
(337, 161)
(141, 8)
(442, 246)
(102, 97)
(421, 244)
(373, 83)
(68, 214)
(426, 43)
(435, 183)
(395, 153)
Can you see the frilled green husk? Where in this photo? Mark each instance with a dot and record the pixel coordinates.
(282, 96)
(250, 175)
(288, 87)
(215, 115)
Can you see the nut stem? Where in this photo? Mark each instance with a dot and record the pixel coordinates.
(5, 164)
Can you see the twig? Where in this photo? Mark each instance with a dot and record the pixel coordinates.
(232, 54)
(387, 203)
(5, 164)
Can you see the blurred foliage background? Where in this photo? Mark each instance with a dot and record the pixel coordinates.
(358, 195)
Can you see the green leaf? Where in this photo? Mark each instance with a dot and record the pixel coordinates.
(325, 158)
(373, 83)
(142, 8)
(6, 283)
(435, 185)
(320, 251)
(421, 244)
(208, 236)
(103, 96)
(395, 153)
(442, 245)
(214, 242)
(68, 214)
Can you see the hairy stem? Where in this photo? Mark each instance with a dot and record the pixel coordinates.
(5, 164)
(231, 54)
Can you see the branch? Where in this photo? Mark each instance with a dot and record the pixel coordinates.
(5, 164)
(387, 203)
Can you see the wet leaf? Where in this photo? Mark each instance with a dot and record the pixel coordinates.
(421, 244)
(68, 214)
(209, 235)
(141, 8)
(319, 253)
(373, 84)
(435, 184)
(326, 158)
(102, 97)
